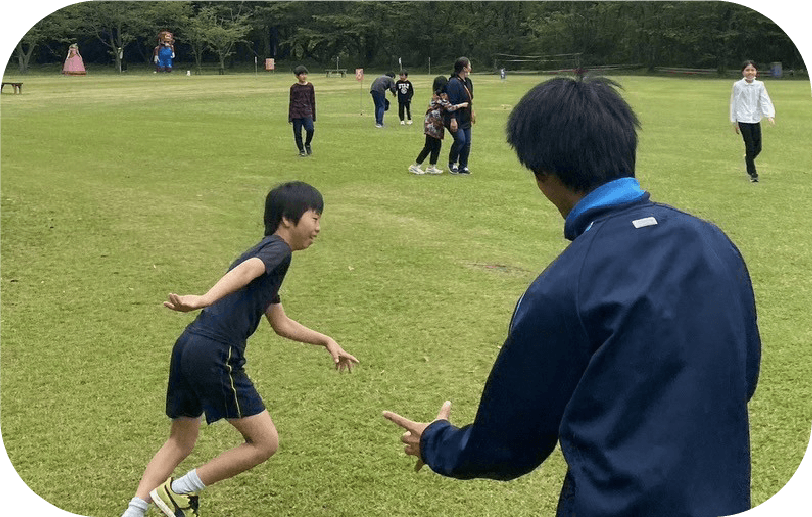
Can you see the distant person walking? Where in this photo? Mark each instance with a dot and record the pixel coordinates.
(302, 110)
(405, 91)
(460, 90)
(749, 103)
(378, 92)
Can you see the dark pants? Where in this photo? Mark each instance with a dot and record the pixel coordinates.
(433, 146)
(461, 148)
(407, 106)
(751, 133)
(298, 124)
(380, 106)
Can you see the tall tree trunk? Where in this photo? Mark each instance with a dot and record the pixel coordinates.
(24, 57)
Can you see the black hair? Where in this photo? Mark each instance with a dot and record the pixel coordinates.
(290, 200)
(581, 131)
(390, 74)
(404, 72)
(748, 62)
(460, 64)
(438, 86)
(300, 70)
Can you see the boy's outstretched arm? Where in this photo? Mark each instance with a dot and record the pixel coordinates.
(291, 329)
(235, 279)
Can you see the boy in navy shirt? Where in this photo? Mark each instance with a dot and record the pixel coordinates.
(637, 349)
(206, 372)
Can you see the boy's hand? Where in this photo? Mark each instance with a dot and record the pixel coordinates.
(185, 303)
(414, 431)
(340, 356)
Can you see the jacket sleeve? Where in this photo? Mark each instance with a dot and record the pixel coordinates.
(313, 101)
(290, 105)
(767, 107)
(522, 404)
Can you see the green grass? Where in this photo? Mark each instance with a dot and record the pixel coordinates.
(119, 189)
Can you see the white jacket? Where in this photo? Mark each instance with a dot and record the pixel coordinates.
(749, 102)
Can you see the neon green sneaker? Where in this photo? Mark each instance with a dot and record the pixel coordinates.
(173, 504)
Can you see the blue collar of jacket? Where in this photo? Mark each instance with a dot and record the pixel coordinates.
(608, 196)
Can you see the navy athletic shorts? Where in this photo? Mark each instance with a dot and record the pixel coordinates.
(206, 376)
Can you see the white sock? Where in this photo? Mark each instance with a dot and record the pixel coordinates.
(188, 483)
(137, 508)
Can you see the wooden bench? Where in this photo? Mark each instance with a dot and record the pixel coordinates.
(17, 87)
(339, 71)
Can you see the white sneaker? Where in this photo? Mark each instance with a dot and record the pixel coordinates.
(433, 170)
(402, 123)
(415, 169)
(409, 122)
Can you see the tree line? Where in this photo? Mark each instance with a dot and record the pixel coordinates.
(698, 35)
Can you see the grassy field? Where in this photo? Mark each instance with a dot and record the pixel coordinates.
(119, 189)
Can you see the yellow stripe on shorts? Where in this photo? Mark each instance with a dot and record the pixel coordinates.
(231, 379)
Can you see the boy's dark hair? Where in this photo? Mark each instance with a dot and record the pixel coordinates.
(460, 64)
(404, 73)
(290, 200)
(438, 86)
(300, 70)
(581, 131)
(390, 74)
(748, 62)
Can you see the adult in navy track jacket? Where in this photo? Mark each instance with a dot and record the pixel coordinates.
(637, 348)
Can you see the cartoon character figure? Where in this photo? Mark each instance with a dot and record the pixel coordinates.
(164, 52)
(73, 62)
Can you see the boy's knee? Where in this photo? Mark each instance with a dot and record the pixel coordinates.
(266, 447)
(183, 445)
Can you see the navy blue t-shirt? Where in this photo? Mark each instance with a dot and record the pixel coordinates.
(233, 318)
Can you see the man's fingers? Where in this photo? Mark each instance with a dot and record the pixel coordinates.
(445, 411)
(399, 420)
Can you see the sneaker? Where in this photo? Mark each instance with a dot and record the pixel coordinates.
(433, 170)
(453, 169)
(402, 123)
(173, 504)
(465, 171)
(754, 179)
(415, 169)
(308, 149)
(302, 153)
(379, 125)
(409, 122)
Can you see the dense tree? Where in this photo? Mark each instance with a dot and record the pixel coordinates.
(370, 34)
(56, 27)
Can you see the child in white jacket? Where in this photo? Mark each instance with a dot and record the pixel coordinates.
(749, 103)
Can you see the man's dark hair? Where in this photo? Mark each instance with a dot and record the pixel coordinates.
(390, 74)
(580, 130)
(290, 200)
(300, 70)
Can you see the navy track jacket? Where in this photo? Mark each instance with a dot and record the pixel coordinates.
(637, 349)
